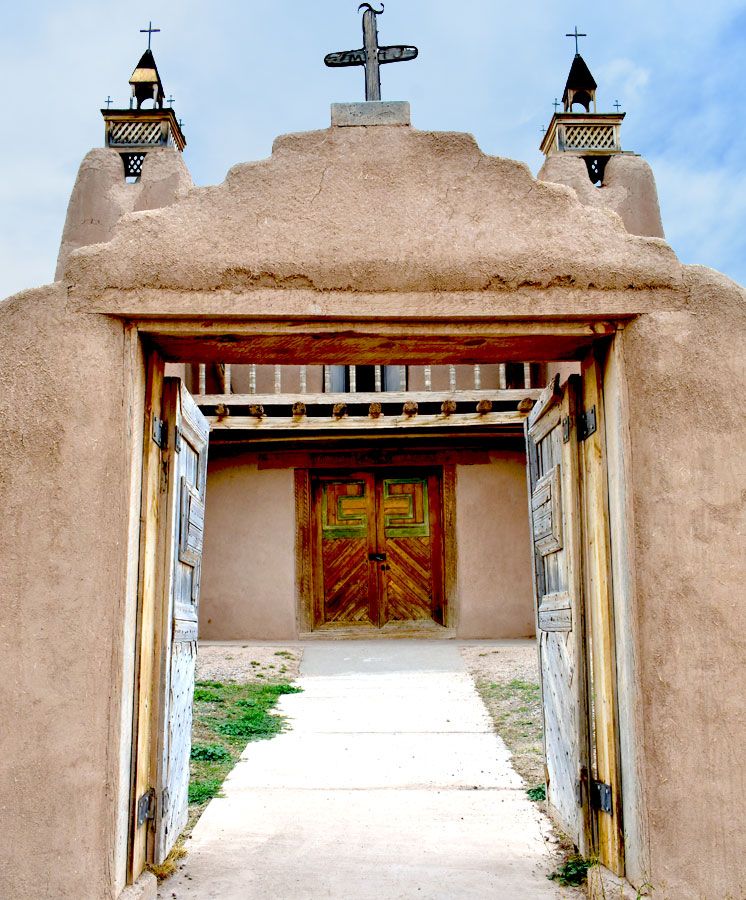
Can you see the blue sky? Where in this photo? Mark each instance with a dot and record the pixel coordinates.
(242, 73)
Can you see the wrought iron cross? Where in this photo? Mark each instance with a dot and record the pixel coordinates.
(371, 55)
(576, 34)
(556, 104)
(150, 31)
(108, 101)
(170, 101)
(618, 105)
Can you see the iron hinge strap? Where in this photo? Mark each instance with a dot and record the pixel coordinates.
(146, 807)
(601, 796)
(587, 423)
(160, 432)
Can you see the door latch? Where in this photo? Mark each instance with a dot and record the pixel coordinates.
(377, 557)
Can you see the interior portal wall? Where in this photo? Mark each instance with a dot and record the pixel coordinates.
(249, 568)
(494, 587)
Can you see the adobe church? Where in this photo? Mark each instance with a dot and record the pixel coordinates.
(510, 412)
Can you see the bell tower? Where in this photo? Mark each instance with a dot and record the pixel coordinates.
(140, 128)
(591, 135)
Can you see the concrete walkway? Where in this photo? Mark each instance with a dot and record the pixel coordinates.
(390, 785)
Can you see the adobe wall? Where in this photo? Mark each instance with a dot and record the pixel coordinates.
(66, 402)
(495, 588)
(686, 384)
(298, 236)
(248, 572)
(248, 564)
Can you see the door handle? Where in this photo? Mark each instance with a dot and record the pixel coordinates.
(377, 557)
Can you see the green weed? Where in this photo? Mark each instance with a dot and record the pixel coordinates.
(210, 753)
(573, 871)
(200, 791)
(539, 792)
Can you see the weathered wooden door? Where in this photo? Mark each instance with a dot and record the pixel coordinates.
(185, 435)
(408, 531)
(378, 548)
(552, 445)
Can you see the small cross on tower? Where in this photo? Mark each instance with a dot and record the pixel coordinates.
(108, 101)
(576, 34)
(371, 55)
(170, 101)
(150, 31)
(617, 105)
(557, 104)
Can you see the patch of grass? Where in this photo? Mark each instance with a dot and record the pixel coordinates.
(539, 792)
(226, 717)
(515, 709)
(203, 696)
(201, 791)
(209, 752)
(286, 653)
(573, 871)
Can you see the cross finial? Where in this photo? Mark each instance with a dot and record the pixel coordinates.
(181, 123)
(618, 105)
(556, 104)
(576, 34)
(150, 31)
(543, 130)
(108, 101)
(371, 55)
(170, 101)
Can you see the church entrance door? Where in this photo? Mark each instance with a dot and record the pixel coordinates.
(378, 549)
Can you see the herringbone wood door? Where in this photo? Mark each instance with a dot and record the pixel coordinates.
(379, 548)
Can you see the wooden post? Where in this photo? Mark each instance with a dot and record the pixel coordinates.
(428, 378)
(502, 376)
(527, 375)
(477, 377)
(353, 379)
(252, 378)
(452, 377)
(278, 379)
(377, 373)
(303, 380)
(202, 378)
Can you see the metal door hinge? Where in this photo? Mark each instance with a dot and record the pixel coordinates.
(160, 432)
(177, 439)
(586, 423)
(164, 802)
(566, 429)
(146, 807)
(601, 796)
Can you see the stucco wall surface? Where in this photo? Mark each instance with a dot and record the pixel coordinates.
(495, 588)
(628, 189)
(686, 383)
(311, 216)
(101, 195)
(248, 567)
(63, 492)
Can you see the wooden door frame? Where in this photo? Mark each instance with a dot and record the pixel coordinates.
(174, 337)
(306, 585)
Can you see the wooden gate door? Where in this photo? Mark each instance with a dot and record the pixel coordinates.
(408, 529)
(345, 574)
(378, 556)
(552, 445)
(185, 435)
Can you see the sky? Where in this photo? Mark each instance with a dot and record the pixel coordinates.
(244, 72)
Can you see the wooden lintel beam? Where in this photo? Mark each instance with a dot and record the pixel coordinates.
(497, 396)
(363, 423)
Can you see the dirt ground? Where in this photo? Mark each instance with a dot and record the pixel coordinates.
(228, 661)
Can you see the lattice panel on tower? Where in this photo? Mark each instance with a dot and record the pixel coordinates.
(133, 164)
(589, 137)
(135, 133)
